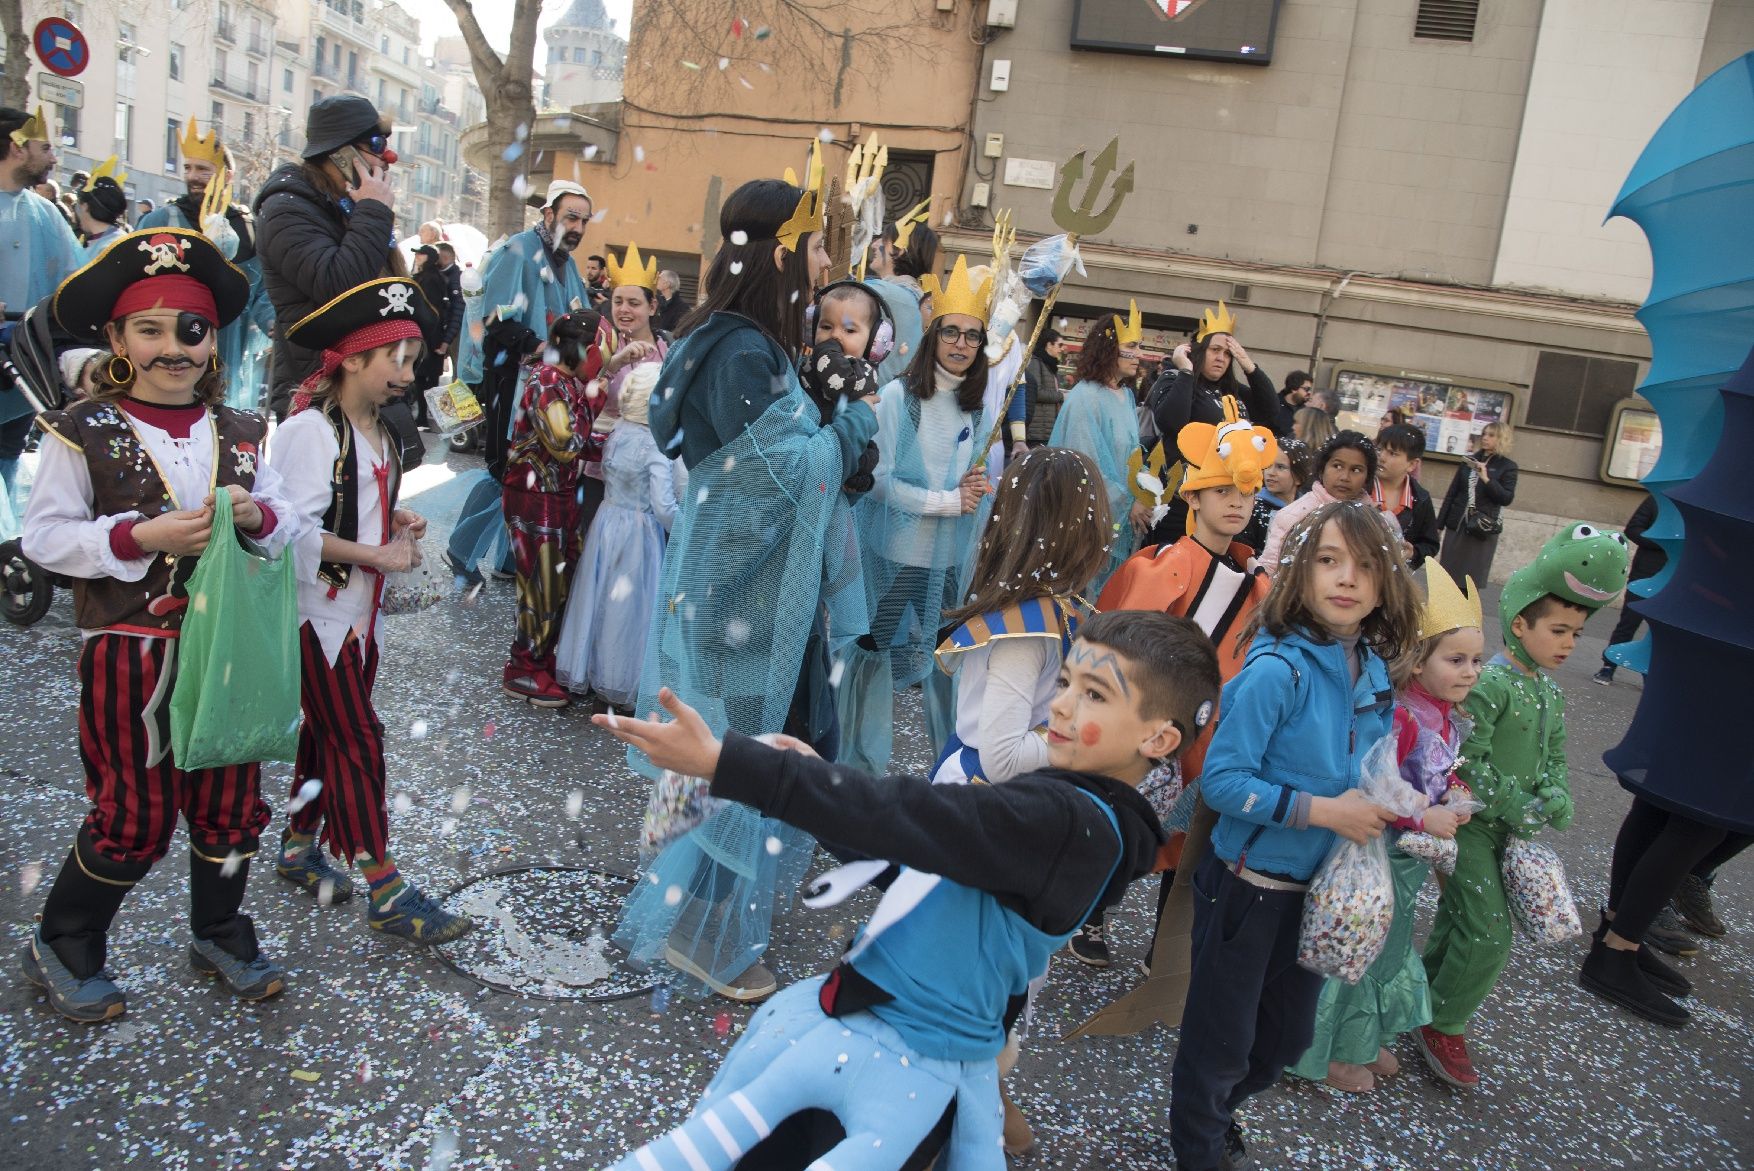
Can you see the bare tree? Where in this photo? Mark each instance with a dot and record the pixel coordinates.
(15, 89)
(507, 87)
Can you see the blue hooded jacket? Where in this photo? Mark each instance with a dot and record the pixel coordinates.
(1292, 722)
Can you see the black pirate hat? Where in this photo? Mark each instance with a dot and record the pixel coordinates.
(167, 269)
(365, 317)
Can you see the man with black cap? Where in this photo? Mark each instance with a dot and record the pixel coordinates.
(102, 204)
(326, 225)
(527, 284)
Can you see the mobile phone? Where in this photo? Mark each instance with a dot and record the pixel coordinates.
(350, 164)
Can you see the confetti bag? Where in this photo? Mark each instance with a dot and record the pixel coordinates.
(1351, 901)
(453, 407)
(410, 591)
(1539, 897)
(1047, 262)
(678, 804)
(236, 696)
(1439, 853)
(1161, 788)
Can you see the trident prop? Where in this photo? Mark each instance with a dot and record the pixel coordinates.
(865, 169)
(1076, 222)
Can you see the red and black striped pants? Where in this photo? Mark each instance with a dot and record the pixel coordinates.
(136, 792)
(342, 745)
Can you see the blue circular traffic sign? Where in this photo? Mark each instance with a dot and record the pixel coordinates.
(61, 47)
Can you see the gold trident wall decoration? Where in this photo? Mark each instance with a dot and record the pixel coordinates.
(1082, 220)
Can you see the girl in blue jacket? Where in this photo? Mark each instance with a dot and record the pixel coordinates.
(1312, 697)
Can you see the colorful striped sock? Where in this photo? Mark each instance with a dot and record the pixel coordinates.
(294, 846)
(384, 879)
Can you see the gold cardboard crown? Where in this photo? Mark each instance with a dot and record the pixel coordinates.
(1219, 322)
(1130, 331)
(1445, 607)
(959, 294)
(811, 213)
(202, 150)
(904, 227)
(632, 270)
(35, 129)
(107, 171)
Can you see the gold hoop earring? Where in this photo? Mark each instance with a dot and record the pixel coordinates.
(121, 379)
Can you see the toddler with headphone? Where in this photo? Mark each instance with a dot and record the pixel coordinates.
(853, 334)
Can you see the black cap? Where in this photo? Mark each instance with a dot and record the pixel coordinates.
(337, 121)
(105, 200)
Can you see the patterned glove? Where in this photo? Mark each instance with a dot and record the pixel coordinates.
(833, 374)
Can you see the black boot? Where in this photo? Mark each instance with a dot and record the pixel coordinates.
(1614, 975)
(214, 899)
(1655, 968)
(83, 903)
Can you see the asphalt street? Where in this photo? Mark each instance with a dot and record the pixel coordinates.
(380, 1055)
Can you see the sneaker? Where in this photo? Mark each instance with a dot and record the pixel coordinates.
(415, 916)
(1614, 975)
(1604, 676)
(311, 871)
(467, 574)
(536, 688)
(95, 998)
(753, 983)
(1088, 946)
(1668, 935)
(256, 979)
(1447, 1056)
(1693, 903)
(1349, 1078)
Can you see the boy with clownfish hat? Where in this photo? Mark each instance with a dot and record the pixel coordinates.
(1207, 576)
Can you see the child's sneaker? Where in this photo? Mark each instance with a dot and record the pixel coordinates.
(536, 688)
(1447, 1056)
(311, 870)
(95, 998)
(1604, 676)
(1089, 947)
(256, 979)
(416, 917)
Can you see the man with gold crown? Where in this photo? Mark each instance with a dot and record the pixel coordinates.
(37, 252)
(1192, 389)
(918, 522)
(100, 208)
(210, 211)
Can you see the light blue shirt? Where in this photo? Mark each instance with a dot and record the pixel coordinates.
(37, 249)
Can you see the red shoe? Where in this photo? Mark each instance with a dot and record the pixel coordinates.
(536, 688)
(1447, 1056)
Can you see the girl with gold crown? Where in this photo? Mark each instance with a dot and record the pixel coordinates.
(630, 340)
(918, 523)
(1100, 419)
(1356, 1024)
(751, 585)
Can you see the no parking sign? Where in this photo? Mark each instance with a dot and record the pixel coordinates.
(61, 47)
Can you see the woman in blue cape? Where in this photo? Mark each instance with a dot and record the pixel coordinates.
(1101, 419)
(752, 585)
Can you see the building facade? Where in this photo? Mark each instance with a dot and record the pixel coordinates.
(586, 58)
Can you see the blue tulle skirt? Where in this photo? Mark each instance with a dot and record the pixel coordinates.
(602, 644)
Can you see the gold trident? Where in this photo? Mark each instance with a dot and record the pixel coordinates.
(865, 167)
(216, 200)
(1004, 239)
(1076, 221)
(1080, 221)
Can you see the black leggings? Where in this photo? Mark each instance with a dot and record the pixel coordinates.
(1654, 851)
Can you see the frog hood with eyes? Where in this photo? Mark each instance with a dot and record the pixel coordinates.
(1583, 565)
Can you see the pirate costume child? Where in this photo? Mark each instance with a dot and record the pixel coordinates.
(339, 464)
(124, 492)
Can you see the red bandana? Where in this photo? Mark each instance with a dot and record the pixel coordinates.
(173, 293)
(366, 337)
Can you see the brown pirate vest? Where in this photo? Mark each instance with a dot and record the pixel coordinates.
(125, 478)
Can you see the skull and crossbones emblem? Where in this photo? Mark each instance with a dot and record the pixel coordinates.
(166, 252)
(396, 299)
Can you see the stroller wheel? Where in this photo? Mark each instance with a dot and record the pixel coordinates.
(466, 439)
(25, 590)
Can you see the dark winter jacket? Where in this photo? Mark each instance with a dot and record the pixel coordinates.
(431, 281)
(313, 249)
(1419, 526)
(1490, 497)
(1040, 847)
(1042, 381)
(1178, 398)
(1648, 557)
(454, 314)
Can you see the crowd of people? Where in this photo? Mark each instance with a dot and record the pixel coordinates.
(766, 516)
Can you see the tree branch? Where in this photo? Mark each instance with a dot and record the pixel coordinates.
(486, 62)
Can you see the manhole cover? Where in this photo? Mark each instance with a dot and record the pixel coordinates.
(543, 931)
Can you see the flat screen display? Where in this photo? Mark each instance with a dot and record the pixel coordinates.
(1215, 30)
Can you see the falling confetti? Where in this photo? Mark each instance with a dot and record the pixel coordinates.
(825, 134)
(512, 153)
(672, 896)
(403, 803)
(417, 730)
(739, 237)
(233, 863)
(736, 267)
(460, 798)
(307, 793)
(575, 804)
(488, 730)
(737, 632)
(639, 154)
(29, 877)
(774, 845)
(722, 1024)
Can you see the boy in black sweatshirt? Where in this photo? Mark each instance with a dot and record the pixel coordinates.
(995, 879)
(1399, 448)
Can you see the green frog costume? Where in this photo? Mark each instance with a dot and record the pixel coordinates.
(1514, 761)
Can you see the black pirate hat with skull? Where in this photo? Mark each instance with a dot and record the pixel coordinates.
(377, 313)
(164, 270)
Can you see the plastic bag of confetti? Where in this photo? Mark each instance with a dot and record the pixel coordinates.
(1539, 897)
(678, 804)
(1161, 788)
(1351, 900)
(1046, 262)
(410, 591)
(1439, 853)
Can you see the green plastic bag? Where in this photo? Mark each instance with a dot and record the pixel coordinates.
(236, 697)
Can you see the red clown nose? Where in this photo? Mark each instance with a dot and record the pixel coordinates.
(389, 156)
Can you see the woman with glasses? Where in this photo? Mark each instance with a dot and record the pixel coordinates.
(1101, 419)
(918, 522)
